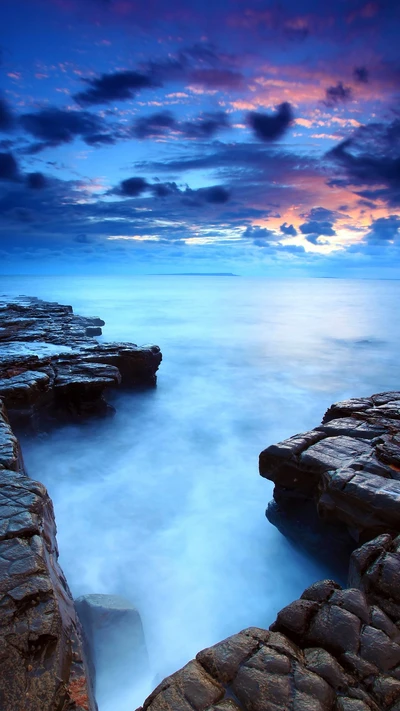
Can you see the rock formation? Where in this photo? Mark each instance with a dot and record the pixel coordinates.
(51, 367)
(333, 649)
(42, 664)
(114, 639)
(348, 468)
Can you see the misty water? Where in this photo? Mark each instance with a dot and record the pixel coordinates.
(163, 503)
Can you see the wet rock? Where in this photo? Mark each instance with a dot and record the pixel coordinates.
(348, 468)
(288, 668)
(42, 664)
(51, 368)
(115, 641)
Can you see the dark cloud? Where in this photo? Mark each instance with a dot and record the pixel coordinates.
(337, 94)
(205, 126)
(259, 235)
(154, 125)
(36, 181)
(217, 78)
(114, 87)
(132, 187)
(55, 126)
(162, 190)
(216, 194)
(6, 116)
(371, 157)
(361, 75)
(288, 229)
(320, 222)
(269, 127)
(384, 230)
(161, 123)
(8, 167)
(319, 228)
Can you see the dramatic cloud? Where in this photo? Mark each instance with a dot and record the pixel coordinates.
(6, 117)
(288, 230)
(53, 126)
(372, 157)
(8, 167)
(163, 122)
(132, 187)
(384, 230)
(337, 94)
(320, 223)
(216, 194)
(269, 127)
(361, 75)
(114, 87)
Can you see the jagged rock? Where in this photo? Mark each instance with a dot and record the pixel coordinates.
(115, 641)
(42, 665)
(348, 468)
(51, 368)
(322, 654)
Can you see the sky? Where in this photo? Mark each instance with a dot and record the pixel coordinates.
(258, 138)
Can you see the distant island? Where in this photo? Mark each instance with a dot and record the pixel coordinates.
(224, 274)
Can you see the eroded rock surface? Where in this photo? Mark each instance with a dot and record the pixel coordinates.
(42, 665)
(349, 467)
(51, 366)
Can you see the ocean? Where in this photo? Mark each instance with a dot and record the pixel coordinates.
(163, 503)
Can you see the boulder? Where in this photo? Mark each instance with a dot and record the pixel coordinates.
(114, 640)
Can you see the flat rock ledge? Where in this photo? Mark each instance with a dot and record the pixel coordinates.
(42, 663)
(334, 649)
(52, 368)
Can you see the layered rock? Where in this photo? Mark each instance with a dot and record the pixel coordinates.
(348, 467)
(51, 367)
(42, 664)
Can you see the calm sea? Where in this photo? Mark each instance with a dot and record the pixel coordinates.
(163, 504)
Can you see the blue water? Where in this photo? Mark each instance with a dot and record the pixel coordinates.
(163, 504)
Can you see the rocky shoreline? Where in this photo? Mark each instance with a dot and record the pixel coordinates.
(51, 370)
(334, 649)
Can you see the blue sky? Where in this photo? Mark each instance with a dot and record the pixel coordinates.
(249, 137)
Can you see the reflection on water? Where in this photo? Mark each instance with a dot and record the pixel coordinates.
(164, 504)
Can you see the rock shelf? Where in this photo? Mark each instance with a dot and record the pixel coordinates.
(52, 368)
